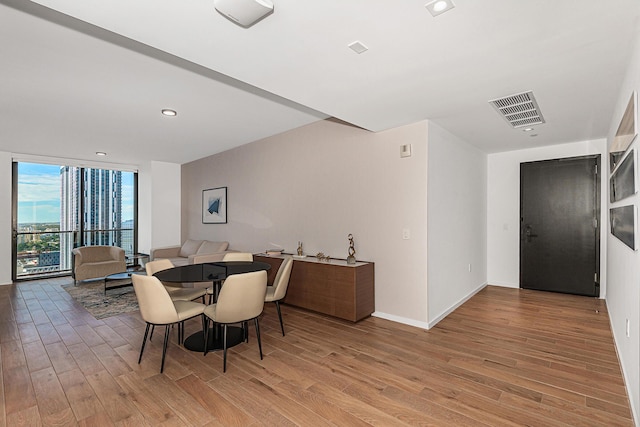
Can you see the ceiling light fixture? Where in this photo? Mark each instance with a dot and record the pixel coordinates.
(168, 112)
(438, 7)
(100, 153)
(244, 12)
(527, 129)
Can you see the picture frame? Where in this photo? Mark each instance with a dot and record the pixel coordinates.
(623, 221)
(626, 133)
(214, 206)
(623, 181)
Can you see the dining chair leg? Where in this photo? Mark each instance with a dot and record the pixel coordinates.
(258, 334)
(164, 346)
(280, 316)
(206, 335)
(144, 341)
(224, 346)
(153, 328)
(245, 330)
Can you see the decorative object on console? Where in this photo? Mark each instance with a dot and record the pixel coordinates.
(214, 206)
(351, 259)
(300, 253)
(322, 257)
(274, 252)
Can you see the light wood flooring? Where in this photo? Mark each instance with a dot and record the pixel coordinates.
(506, 357)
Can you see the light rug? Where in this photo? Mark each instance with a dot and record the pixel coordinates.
(91, 296)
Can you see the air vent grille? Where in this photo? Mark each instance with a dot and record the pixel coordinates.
(519, 110)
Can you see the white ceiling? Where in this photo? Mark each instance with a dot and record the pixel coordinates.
(78, 77)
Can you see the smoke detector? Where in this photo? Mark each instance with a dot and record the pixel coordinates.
(519, 110)
(244, 12)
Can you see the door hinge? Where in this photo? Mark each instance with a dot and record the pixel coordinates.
(595, 222)
(596, 170)
(595, 277)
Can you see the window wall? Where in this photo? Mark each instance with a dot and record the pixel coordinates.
(59, 207)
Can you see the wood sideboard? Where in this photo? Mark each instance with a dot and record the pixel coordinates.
(334, 288)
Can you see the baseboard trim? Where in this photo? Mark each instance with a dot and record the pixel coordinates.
(427, 325)
(399, 319)
(504, 284)
(456, 305)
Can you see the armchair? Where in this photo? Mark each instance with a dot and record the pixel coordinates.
(92, 262)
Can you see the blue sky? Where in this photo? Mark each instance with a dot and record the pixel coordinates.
(39, 193)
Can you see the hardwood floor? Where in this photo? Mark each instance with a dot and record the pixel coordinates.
(506, 357)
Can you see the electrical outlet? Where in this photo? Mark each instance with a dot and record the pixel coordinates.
(628, 329)
(469, 268)
(406, 235)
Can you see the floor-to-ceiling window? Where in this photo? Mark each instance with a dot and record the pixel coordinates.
(59, 207)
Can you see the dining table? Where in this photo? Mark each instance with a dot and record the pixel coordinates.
(214, 272)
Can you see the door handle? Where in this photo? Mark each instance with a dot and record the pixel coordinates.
(528, 233)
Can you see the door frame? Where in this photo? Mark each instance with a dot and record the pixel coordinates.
(597, 215)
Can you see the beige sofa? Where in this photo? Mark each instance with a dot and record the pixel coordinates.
(92, 262)
(192, 252)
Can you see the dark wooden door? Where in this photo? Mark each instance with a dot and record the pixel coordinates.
(559, 225)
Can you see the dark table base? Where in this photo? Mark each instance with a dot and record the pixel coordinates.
(195, 342)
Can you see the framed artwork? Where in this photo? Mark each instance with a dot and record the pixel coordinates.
(626, 133)
(623, 224)
(622, 183)
(214, 206)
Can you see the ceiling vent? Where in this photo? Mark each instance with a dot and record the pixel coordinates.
(519, 110)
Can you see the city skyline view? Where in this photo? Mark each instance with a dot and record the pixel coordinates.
(39, 194)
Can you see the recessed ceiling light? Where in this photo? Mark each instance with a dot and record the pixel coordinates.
(437, 7)
(100, 153)
(527, 129)
(168, 112)
(358, 47)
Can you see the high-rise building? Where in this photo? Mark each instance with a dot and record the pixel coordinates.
(69, 212)
(101, 200)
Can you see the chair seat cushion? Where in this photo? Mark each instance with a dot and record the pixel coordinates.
(185, 294)
(188, 309)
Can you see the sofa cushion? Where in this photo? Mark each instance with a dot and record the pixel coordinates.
(209, 247)
(190, 247)
(179, 262)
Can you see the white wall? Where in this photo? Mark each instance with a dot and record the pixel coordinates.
(503, 208)
(623, 267)
(317, 184)
(5, 218)
(456, 218)
(159, 205)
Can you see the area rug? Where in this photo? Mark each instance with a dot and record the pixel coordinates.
(91, 296)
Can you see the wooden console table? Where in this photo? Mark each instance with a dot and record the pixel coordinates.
(334, 288)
